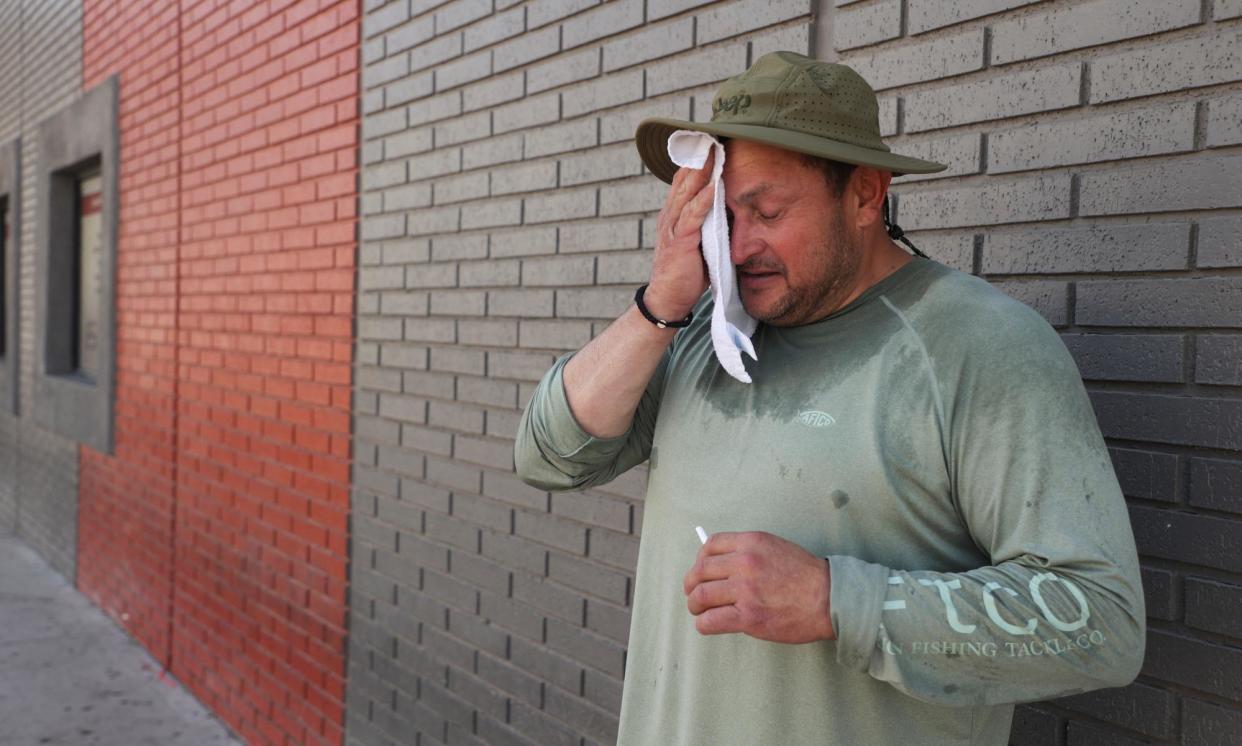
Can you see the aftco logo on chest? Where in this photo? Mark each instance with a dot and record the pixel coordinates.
(815, 418)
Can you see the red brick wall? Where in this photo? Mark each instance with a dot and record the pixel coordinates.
(235, 286)
(125, 505)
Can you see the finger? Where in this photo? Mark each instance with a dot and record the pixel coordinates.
(688, 185)
(684, 183)
(676, 196)
(710, 595)
(719, 621)
(695, 177)
(695, 211)
(705, 569)
(690, 220)
(702, 175)
(679, 178)
(699, 176)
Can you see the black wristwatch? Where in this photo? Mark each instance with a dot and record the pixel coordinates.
(661, 323)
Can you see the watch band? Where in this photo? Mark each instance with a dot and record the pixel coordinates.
(661, 323)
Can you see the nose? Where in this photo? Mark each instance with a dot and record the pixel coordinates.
(743, 244)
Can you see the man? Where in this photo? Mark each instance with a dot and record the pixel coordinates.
(915, 522)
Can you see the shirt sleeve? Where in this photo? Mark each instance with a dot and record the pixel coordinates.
(553, 452)
(1060, 609)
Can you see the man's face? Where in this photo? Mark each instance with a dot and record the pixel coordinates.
(796, 259)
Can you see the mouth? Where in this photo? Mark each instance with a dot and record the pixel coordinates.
(755, 280)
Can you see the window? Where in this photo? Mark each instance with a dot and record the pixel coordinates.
(76, 262)
(90, 272)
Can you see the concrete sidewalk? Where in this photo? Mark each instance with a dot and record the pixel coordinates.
(70, 677)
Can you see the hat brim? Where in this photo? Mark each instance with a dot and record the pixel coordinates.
(652, 141)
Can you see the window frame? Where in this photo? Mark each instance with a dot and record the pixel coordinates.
(82, 135)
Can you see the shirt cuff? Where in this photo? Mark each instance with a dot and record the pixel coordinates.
(856, 598)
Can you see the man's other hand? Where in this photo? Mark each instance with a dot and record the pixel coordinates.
(678, 272)
(761, 585)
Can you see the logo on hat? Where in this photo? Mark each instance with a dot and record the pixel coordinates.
(733, 104)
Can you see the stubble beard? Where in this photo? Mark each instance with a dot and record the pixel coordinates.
(829, 281)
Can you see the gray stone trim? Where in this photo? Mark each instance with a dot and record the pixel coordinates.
(83, 132)
(10, 357)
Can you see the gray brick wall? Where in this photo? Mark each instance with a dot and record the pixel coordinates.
(1094, 152)
(40, 50)
(1095, 174)
(8, 472)
(10, 127)
(506, 218)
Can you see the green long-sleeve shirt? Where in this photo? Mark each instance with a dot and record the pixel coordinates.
(934, 441)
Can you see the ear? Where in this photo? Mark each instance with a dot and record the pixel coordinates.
(867, 190)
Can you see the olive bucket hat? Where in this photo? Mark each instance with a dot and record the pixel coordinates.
(790, 101)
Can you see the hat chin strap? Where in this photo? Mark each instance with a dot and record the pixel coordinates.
(897, 234)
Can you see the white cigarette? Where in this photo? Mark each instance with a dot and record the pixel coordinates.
(702, 534)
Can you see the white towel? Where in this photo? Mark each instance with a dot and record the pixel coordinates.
(731, 325)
